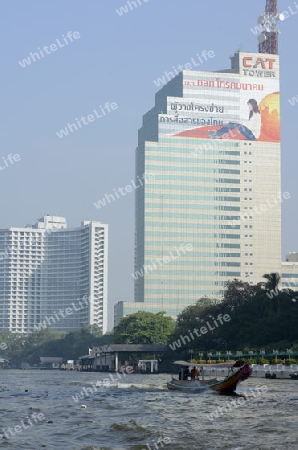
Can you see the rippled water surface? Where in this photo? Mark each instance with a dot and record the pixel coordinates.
(138, 412)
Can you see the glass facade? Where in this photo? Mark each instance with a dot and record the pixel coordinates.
(211, 210)
(184, 204)
(290, 272)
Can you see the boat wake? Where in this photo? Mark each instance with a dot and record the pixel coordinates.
(145, 387)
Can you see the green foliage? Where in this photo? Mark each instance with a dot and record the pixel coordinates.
(144, 328)
(273, 280)
(238, 293)
(257, 320)
(290, 361)
(202, 313)
(28, 348)
(193, 313)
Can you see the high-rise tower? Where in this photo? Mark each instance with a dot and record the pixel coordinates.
(214, 189)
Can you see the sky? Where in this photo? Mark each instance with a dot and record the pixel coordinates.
(113, 59)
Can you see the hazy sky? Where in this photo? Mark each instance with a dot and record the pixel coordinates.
(114, 59)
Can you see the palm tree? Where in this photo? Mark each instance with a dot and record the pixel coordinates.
(272, 283)
(271, 289)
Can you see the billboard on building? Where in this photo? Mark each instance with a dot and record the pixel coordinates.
(244, 105)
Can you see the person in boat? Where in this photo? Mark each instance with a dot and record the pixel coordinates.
(239, 363)
(202, 372)
(186, 374)
(194, 373)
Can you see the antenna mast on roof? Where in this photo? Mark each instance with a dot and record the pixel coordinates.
(268, 40)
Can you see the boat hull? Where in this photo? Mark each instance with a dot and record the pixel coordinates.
(241, 370)
(293, 376)
(229, 385)
(191, 386)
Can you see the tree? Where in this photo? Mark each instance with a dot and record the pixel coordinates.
(144, 328)
(27, 348)
(237, 293)
(272, 283)
(252, 324)
(13, 346)
(272, 291)
(193, 317)
(202, 307)
(95, 330)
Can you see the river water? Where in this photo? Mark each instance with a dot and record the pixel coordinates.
(137, 412)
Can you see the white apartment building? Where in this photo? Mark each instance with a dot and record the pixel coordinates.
(53, 276)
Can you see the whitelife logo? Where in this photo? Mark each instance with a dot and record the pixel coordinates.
(9, 160)
(290, 285)
(130, 6)
(221, 410)
(259, 209)
(33, 57)
(293, 101)
(162, 261)
(168, 76)
(23, 426)
(205, 147)
(199, 332)
(86, 392)
(3, 346)
(63, 314)
(86, 120)
(5, 254)
(129, 188)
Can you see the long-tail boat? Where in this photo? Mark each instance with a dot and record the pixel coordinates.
(229, 384)
(238, 371)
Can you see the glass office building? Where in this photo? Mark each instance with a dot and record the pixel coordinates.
(53, 276)
(289, 273)
(209, 209)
